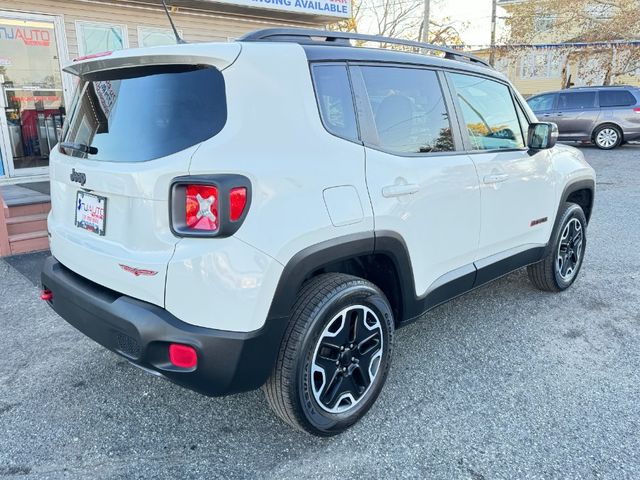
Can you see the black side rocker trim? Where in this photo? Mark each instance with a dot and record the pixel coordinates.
(390, 244)
(453, 284)
(228, 362)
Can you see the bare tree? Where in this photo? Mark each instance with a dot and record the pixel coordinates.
(583, 21)
(397, 19)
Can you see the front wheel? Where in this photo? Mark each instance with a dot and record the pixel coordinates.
(335, 355)
(565, 252)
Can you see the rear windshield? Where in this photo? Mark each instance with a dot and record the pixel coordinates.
(140, 114)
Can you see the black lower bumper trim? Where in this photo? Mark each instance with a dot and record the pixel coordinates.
(228, 362)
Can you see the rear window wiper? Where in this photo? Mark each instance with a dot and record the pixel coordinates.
(80, 147)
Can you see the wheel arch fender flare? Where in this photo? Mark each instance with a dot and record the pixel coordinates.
(585, 184)
(314, 258)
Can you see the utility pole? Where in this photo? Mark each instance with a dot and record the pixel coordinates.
(425, 22)
(492, 51)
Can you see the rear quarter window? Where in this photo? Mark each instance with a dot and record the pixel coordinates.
(141, 114)
(616, 98)
(333, 93)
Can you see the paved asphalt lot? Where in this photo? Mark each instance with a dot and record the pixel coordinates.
(505, 382)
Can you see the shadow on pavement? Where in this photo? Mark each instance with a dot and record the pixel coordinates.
(29, 264)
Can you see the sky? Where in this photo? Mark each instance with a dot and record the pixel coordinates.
(476, 12)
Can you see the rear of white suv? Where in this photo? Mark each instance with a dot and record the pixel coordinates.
(123, 199)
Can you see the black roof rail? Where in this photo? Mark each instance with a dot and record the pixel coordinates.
(603, 86)
(327, 37)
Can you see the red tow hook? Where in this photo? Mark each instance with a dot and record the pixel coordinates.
(46, 295)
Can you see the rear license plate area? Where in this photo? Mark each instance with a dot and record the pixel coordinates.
(91, 212)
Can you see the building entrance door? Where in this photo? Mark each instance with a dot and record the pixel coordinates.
(31, 92)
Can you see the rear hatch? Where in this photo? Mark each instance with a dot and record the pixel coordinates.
(137, 119)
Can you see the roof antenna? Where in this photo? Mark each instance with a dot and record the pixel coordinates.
(173, 26)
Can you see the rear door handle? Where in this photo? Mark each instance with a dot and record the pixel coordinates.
(399, 190)
(495, 178)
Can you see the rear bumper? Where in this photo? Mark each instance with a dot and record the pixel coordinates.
(228, 362)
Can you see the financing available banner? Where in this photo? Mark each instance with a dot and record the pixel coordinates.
(333, 8)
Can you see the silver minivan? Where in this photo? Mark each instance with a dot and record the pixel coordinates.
(607, 116)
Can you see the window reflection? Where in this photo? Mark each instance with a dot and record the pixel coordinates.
(154, 112)
(334, 97)
(31, 84)
(488, 112)
(409, 109)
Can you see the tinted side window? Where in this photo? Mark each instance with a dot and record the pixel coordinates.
(541, 102)
(576, 100)
(333, 93)
(616, 98)
(488, 112)
(408, 108)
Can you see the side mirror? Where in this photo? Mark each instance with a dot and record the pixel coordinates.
(542, 135)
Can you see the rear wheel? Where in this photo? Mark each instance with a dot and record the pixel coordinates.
(335, 355)
(607, 137)
(563, 259)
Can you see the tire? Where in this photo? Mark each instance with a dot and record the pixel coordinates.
(607, 137)
(323, 314)
(562, 261)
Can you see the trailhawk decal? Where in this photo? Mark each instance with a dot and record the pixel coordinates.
(538, 221)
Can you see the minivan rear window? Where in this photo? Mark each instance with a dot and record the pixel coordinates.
(616, 98)
(140, 114)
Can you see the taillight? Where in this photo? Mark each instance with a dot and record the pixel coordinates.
(201, 207)
(637, 110)
(209, 205)
(237, 202)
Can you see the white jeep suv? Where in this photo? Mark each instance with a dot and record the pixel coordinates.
(266, 212)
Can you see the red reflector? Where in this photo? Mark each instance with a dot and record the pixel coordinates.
(202, 207)
(46, 295)
(182, 356)
(93, 55)
(237, 202)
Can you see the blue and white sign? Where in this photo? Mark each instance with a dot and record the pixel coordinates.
(332, 8)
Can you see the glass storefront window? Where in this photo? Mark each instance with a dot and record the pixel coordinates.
(31, 89)
(100, 37)
(151, 37)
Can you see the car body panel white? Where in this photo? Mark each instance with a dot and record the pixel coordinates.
(517, 188)
(433, 203)
(287, 154)
(344, 205)
(137, 232)
(221, 283)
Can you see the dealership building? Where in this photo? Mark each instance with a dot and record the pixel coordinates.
(39, 37)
